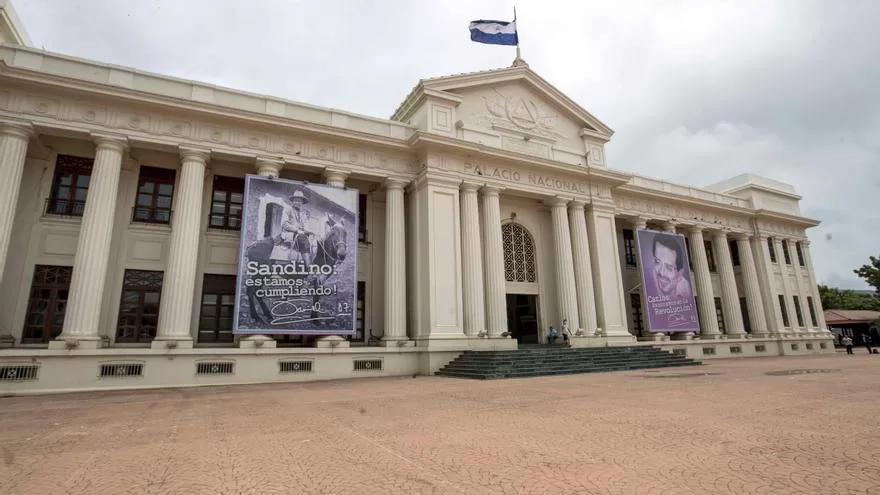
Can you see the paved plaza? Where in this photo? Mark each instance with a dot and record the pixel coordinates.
(731, 426)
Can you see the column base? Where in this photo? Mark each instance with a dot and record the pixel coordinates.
(585, 341)
(396, 342)
(172, 343)
(257, 341)
(737, 336)
(74, 342)
(711, 336)
(331, 341)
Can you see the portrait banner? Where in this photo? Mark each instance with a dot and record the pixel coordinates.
(297, 266)
(666, 282)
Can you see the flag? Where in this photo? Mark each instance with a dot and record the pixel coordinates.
(494, 32)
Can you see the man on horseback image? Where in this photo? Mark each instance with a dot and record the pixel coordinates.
(294, 234)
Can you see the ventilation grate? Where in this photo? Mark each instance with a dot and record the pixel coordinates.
(795, 347)
(735, 349)
(823, 345)
(19, 372)
(680, 352)
(760, 348)
(215, 368)
(708, 351)
(810, 347)
(368, 365)
(120, 370)
(294, 366)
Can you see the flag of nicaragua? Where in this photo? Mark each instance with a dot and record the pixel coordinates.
(494, 32)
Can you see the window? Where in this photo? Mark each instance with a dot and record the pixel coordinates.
(139, 308)
(785, 253)
(629, 247)
(734, 253)
(771, 246)
(798, 312)
(747, 325)
(70, 186)
(519, 254)
(710, 256)
(784, 310)
(799, 250)
(719, 313)
(362, 218)
(360, 310)
(155, 191)
(635, 301)
(227, 201)
(218, 302)
(812, 309)
(47, 303)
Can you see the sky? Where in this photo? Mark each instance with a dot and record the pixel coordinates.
(696, 91)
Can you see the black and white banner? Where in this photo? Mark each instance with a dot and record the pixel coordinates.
(297, 267)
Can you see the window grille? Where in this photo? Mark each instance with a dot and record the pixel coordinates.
(519, 254)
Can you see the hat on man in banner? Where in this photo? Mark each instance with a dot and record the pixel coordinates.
(300, 196)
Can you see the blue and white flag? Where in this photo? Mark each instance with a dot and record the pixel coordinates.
(494, 32)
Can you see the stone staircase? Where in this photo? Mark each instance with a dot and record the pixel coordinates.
(555, 360)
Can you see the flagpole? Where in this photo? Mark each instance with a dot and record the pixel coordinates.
(517, 33)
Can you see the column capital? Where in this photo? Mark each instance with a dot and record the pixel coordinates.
(488, 190)
(577, 204)
(335, 175)
(197, 154)
(639, 222)
(719, 234)
(394, 183)
(112, 141)
(670, 226)
(269, 166)
(470, 186)
(694, 229)
(18, 129)
(740, 236)
(557, 202)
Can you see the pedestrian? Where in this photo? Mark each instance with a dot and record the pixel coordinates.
(867, 341)
(566, 332)
(848, 343)
(551, 336)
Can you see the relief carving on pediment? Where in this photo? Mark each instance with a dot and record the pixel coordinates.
(518, 114)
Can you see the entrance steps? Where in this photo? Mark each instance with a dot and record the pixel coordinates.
(555, 360)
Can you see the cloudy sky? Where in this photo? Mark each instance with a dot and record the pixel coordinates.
(696, 90)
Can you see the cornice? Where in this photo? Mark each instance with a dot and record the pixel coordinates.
(685, 200)
(91, 88)
(765, 189)
(776, 216)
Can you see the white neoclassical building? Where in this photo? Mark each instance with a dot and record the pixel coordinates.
(487, 212)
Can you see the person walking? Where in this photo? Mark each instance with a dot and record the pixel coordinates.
(551, 336)
(866, 339)
(566, 332)
(848, 343)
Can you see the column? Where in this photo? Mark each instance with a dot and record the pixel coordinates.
(93, 246)
(472, 262)
(178, 286)
(814, 292)
(786, 285)
(802, 291)
(754, 301)
(13, 152)
(496, 299)
(772, 311)
(395, 262)
(706, 307)
(669, 227)
(566, 292)
(607, 276)
(729, 295)
(583, 271)
(335, 178)
(266, 167)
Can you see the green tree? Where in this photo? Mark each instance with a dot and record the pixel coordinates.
(870, 273)
(833, 298)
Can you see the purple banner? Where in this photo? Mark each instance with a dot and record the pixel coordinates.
(666, 282)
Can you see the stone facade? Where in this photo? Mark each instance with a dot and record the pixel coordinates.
(488, 214)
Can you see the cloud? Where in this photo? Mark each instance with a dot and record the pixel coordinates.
(696, 91)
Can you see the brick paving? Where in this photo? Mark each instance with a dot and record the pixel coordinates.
(726, 427)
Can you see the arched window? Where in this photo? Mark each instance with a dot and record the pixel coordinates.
(519, 254)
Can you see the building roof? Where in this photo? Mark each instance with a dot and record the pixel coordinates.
(850, 316)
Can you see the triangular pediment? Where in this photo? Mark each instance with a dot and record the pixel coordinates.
(515, 99)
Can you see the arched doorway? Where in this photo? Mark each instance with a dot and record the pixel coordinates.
(520, 270)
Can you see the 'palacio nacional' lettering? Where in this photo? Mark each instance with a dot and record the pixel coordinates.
(530, 179)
